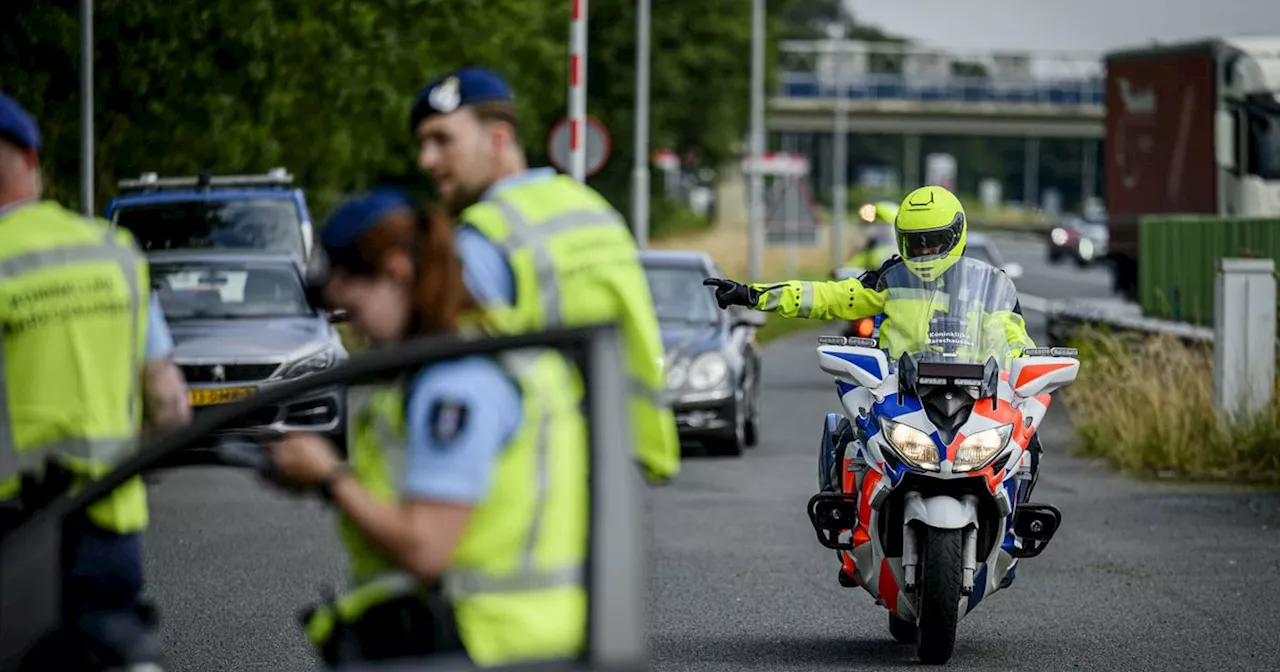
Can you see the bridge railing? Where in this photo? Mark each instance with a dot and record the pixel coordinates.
(886, 71)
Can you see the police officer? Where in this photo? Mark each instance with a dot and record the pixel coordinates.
(75, 295)
(476, 546)
(540, 249)
(930, 230)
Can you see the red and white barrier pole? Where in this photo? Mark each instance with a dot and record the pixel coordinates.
(578, 91)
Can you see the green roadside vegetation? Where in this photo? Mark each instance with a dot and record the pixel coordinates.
(1145, 406)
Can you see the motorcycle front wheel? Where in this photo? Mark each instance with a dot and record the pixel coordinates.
(941, 575)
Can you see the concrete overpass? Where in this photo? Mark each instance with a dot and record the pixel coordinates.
(914, 92)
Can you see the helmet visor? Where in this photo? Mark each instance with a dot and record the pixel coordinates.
(931, 242)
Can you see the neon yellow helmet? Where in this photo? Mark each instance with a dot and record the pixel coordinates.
(931, 230)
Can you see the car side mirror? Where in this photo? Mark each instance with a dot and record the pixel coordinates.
(337, 316)
(1013, 269)
(749, 318)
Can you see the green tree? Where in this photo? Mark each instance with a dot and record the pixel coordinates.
(324, 88)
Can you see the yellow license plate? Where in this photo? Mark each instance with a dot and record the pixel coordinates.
(222, 395)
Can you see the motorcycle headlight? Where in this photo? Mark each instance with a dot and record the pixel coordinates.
(977, 450)
(317, 362)
(707, 371)
(911, 444)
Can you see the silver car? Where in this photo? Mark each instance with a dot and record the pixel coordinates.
(241, 322)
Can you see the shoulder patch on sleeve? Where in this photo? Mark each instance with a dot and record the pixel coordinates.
(448, 418)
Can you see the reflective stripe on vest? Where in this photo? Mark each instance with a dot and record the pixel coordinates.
(774, 296)
(352, 605)
(536, 236)
(93, 451)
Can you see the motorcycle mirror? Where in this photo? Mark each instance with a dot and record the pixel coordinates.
(991, 384)
(906, 376)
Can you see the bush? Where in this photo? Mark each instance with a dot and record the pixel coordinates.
(1146, 406)
(673, 219)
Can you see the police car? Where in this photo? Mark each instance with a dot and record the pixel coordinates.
(249, 212)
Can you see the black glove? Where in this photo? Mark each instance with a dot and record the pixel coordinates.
(730, 293)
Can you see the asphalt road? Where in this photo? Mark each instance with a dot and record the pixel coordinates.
(1140, 576)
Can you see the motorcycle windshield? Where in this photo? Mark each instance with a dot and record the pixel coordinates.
(963, 317)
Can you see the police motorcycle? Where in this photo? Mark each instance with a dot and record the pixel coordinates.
(923, 478)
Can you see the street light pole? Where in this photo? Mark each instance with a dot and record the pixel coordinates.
(86, 108)
(755, 259)
(839, 154)
(640, 171)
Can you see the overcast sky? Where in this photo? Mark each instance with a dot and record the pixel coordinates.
(1089, 25)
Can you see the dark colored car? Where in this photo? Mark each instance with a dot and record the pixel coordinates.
(1083, 240)
(242, 323)
(713, 360)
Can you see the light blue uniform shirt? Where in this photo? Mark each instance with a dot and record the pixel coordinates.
(159, 340)
(459, 416)
(485, 268)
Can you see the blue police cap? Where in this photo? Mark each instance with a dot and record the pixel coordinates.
(465, 86)
(17, 125)
(354, 217)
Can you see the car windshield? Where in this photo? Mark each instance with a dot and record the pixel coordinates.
(959, 318)
(268, 224)
(1264, 136)
(229, 290)
(679, 295)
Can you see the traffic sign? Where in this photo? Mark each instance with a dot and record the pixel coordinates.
(598, 145)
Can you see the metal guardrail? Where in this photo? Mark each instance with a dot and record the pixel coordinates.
(1084, 93)
(1068, 320)
(30, 573)
(893, 71)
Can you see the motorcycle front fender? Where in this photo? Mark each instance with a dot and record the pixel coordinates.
(942, 512)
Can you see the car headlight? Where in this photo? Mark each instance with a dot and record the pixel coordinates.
(977, 450)
(676, 373)
(317, 362)
(1086, 248)
(911, 444)
(707, 371)
(1058, 236)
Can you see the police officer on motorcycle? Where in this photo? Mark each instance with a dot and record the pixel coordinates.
(930, 229)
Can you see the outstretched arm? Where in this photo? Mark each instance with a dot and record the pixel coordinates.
(833, 300)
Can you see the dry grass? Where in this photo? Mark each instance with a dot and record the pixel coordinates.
(1147, 408)
(729, 246)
